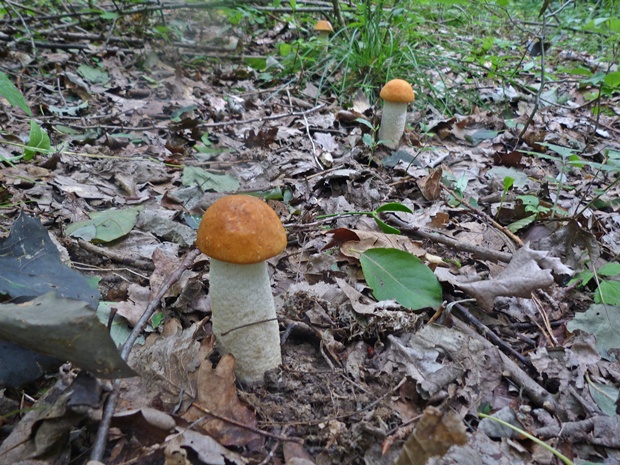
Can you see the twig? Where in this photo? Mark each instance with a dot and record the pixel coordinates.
(307, 126)
(338, 14)
(264, 118)
(21, 18)
(481, 252)
(541, 39)
(539, 395)
(484, 215)
(144, 9)
(494, 338)
(246, 427)
(115, 256)
(110, 405)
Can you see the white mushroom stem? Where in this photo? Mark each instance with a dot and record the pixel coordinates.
(244, 317)
(392, 123)
(324, 37)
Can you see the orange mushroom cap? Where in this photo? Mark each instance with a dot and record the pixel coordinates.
(397, 90)
(324, 25)
(240, 229)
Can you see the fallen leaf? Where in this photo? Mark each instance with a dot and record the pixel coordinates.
(65, 329)
(260, 138)
(217, 393)
(430, 185)
(434, 434)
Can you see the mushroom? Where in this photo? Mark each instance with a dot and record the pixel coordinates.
(396, 94)
(239, 233)
(324, 29)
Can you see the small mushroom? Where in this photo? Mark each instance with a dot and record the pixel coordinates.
(396, 94)
(324, 29)
(239, 233)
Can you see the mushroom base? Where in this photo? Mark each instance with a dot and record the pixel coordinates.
(392, 123)
(244, 317)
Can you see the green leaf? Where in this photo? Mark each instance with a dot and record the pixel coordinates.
(396, 274)
(119, 329)
(365, 122)
(108, 15)
(529, 200)
(31, 266)
(522, 223)
(94, 75)
(384, 227)
(584, 276)
(12, 94)
(612, 79)
(605, 397)
(157, 319)
(193, 175)
(38, 140)
(393, 207)
(368, 140)
(105, 226)
(608, 292)
(609, 269)
(603, 322)
(564, 152)
(508, 182)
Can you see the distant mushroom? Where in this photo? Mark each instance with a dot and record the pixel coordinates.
(239, 233)
(324, 29)
(396, 94)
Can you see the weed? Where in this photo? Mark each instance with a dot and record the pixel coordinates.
(607, 290)
(388, 207)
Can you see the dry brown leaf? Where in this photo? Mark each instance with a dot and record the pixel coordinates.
(261, 138)
(206, 448)
(434, 434)
(217, 393)
(353, 242)
(430, 185)
(523, 275)
(510, 159)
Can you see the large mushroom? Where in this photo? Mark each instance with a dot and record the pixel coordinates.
(324, 29)
(239, 233)
(396, 94)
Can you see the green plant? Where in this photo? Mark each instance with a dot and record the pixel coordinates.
(567, 160)
(508, 183)
(543, 444)
(607, 291)
(388, 207)
(370, 138)
(39, 140)
(532, 205)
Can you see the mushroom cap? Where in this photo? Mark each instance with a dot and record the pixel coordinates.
(324, 25)
(240, 229)
(397, 90)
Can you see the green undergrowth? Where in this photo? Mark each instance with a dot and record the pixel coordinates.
(448, 50)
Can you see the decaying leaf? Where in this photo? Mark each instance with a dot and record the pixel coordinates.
(65, 329)
(31, 266)
(527, 271)
(353, 242)
(430, 185)
(434, 434)
(207, 449)
(261, 138)
(217, 394)
(44, 431)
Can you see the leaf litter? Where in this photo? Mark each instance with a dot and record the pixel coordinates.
(362, 381)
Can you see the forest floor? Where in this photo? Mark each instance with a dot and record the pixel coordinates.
(146, 134)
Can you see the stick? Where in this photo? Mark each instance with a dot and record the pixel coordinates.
(110, 405)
